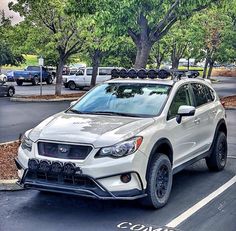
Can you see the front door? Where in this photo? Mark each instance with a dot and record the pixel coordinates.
(182, 135)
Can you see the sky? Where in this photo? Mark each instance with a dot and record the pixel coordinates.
(4, 6)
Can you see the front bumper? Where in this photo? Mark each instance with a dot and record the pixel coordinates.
(76, 184)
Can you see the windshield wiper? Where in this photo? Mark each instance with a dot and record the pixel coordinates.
(111, 113)
(75, 111)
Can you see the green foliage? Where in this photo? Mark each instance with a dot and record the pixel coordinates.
(52, 31)
(8, 56)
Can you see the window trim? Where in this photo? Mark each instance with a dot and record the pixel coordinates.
(190, 95)
(194, 98)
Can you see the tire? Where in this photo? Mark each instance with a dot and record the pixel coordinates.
(35, 80)
(72, 85)
(218, 158)
(19, 83)
(81, 88)
(49, 80)
(10, 92)
(160, 168)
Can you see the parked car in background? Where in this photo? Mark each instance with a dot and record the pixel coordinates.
(52, 70)
(6, 89)
(3, 77)
(32, 74)
(10, 76)
(82, 78)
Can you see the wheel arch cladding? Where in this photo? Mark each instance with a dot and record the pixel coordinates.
(161, 146)
(221, 127)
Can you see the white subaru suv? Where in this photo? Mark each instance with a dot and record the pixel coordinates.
(125, 139)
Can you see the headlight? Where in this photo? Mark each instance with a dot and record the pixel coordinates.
(26, 143)
(122, 149)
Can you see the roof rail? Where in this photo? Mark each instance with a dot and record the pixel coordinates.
(153, 74)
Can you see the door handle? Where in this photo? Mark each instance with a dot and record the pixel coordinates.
(197, 121)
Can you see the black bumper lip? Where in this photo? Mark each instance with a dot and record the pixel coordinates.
(98, 191)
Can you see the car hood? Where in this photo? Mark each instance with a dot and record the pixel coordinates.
(98, 130)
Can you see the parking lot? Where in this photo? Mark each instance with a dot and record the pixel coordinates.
(28, 89)
(200, 200)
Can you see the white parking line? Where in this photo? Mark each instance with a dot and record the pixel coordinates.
(188, 213)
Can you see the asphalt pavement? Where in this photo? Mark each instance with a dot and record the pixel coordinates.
(226, 86)
(31, 210)
(28, 89)
(17, 117)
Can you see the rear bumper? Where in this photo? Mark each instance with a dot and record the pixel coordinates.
(77, 184)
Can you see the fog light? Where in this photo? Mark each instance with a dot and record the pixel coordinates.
(56, 167)
(125, 178)
(33, 164)
(44, 166)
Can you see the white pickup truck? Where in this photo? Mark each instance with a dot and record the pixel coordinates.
(82, 77)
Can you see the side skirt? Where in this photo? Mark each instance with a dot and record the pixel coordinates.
(192, 161)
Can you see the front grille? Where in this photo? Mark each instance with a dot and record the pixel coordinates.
(64, 151)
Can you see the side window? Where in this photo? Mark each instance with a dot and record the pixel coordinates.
(72, 72)
(199, 92)
(89, 71)
(182, 97)
(104, 71)
(80, 72)
(210, 94)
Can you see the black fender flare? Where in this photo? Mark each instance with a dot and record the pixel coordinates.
(221, 126)
(162, 142)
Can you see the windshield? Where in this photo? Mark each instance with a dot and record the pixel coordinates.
(136, 99)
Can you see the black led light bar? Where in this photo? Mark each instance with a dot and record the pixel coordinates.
(46, 166)
(152, 73)
(141, 73)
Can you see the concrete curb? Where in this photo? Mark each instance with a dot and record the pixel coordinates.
(16, 99)
(9, 142)
(9, 185)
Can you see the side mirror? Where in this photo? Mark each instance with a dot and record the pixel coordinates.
(72, 103)
(185, 110)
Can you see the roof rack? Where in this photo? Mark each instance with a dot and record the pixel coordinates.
(153, 74)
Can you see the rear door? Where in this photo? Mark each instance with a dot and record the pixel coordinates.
(88, 76)
(3, 89)
(204, 116)
(79, 77)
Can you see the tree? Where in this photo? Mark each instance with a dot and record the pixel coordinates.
(160, 52)
(217, 34)
(61, 30)
(148, 21)
(7, 55)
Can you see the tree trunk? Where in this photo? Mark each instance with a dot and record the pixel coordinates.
(143, 51)
(59, 76)
(95, 63)
(159, 56)
(205, 68)
(211, 64)
(175, 63)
